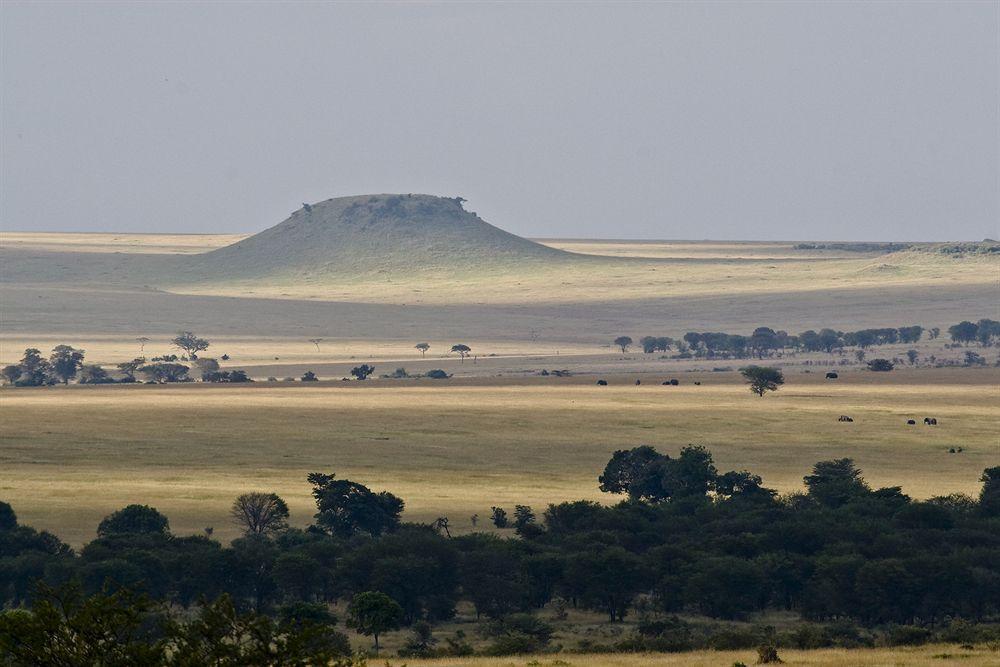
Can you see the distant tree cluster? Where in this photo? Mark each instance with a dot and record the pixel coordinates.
(984, 331)
(67, 363)
(766, 342)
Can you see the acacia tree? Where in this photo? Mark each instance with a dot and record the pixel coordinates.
(316, 342)
(128, 368)
(190, 343)
(142, 340)
(65, 362)
(762, 379)
(423, 347)
(462, 349)
(623, 342)
(259, 513)
(371, 613)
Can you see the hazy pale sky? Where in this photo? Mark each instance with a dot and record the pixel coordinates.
(779, 120)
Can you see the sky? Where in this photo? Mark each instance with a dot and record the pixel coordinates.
(777, 120)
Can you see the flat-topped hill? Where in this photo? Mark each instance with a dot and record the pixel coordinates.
(362, 235)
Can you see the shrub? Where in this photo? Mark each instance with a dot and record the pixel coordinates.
(880, 365)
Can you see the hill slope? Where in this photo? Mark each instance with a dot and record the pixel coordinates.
(354, 237)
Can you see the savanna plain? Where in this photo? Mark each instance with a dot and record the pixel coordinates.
(521, 421)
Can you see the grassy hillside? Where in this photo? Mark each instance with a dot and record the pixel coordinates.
(368, 235)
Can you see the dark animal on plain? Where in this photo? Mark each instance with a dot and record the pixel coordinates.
(951, 450)
(832, 376)
(930, 421)
(698, 384)
(911, 422)
(602, 383)
(638, 382)
(674, 382)
(844, 418)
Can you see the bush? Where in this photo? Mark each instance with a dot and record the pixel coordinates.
(436, 374)
(880, 365)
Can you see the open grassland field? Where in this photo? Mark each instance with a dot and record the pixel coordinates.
(71, 455)
(923, 656)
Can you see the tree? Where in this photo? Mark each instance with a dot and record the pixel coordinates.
(499, 517)
(623, 342)
(129, 368)
(132, 520)
(371, 613)
(165, 372)
(316, 342)
(963, 332)
(607, 578)
(34, 370)
(94, 374)
(65, 362)
(762, 379)
(833, 483)
(8, 519)
(221, 635)
(934, 332)
(65, 628)
(423, 347)
(309, 376)
(11, 373)
(880, 365)
(346, 508)
(142, 340)
(190, 343)
(986, 331)
(912, 356)
(910, 334)
(989, 497)
(462, 350)
(523, 516)
(860, 356)
(363, 371)
(628, 470)
(260, 513)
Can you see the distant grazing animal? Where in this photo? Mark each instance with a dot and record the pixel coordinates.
(832, 376)
(911, 422)
(602, 383)
(674, 382)
(844, 418)
(698, 384)
(930, 421)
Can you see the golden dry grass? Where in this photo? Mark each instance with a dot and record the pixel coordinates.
(71, 455)
(923, 656)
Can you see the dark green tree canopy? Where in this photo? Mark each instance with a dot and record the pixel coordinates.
(134, 519)
(346, 508)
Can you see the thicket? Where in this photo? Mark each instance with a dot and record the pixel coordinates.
(861, 564)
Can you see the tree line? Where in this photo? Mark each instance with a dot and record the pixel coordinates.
(766, 342)
(856, 562)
